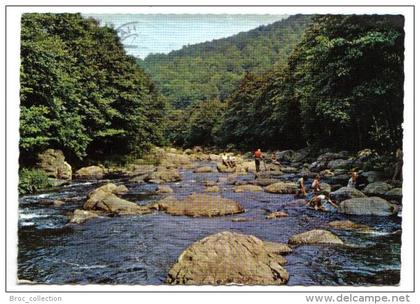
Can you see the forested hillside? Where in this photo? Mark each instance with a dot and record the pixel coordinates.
(341, 88)
(212, 69)
(81, 93)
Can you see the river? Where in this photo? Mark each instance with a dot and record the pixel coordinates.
(141, 249)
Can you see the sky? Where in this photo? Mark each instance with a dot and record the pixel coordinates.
(143, 34)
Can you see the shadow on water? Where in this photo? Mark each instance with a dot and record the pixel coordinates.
(141, 249)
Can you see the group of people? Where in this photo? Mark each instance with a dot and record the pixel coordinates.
(318, 199)
(229, 160)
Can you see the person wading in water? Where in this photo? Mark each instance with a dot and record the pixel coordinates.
(258, 157)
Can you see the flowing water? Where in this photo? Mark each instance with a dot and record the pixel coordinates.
(141, 249)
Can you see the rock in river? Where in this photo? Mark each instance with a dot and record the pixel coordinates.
(345, 193)
(164, 189)
(377, 188)
(91, 172)
(349, 225)
(367, 206)
(228, 258)
(316, 236)
(53, 164)
(163, 174)
(247, 188)
(276, 214)
(199, 205)
(205, 169)
(281, 187)
(81, 216)
(104, 199)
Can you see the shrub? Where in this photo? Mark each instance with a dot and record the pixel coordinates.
(33, 180)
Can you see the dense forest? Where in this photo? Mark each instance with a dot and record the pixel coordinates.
(211, 70)
(81, 93)
(325, 81)
(341, 88)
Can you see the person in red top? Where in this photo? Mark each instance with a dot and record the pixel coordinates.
(258, 156)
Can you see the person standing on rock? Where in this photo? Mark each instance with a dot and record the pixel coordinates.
(301, 192)
(258, 157)
(352, 181)
(316, 185)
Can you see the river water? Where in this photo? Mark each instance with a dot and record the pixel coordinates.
(141, 249)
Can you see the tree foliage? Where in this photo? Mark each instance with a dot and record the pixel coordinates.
(342, 87)
(211, 70)
(81, 93)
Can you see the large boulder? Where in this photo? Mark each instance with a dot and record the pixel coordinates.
(316, 236)
(367, 206)
(205, 169)
(377, 189)
(174, 160)
(53, 163)
(281, 188)
(325, 187)
(247, 188)
(371, 176)
(104, 199)
(199, 205)
(345, 193)
(164, 175)
(228, 258)
(91, 172)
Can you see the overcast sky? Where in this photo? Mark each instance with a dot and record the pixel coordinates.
(143, 34)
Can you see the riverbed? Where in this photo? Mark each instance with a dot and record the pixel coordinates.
(142, 249)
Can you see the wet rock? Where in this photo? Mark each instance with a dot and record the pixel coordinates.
(316, 236)
(367, 206)
(289, 169)
(214, 261)
(345, 193)
(349, 225)
(104, 199)
(164, 175)
(214, 157)
(212, 189)
(210, 183)
(200, 205)
(329, 156)
(58, 203)
(247, 188)
(394, 194)
(81, 216)
(164, 189)
(276, 214)
(53, 163)
(281, 188)
(325, 187)
(377, 189)
(205, 169)
(140, 170)
(91, 172)
(340, 164)
(277, 248)
(139, 179)
(232, 179)
(241, 219)
(371, 176)
(265, 181)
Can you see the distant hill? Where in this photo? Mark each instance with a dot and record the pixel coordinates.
(211, 70)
